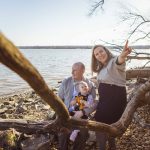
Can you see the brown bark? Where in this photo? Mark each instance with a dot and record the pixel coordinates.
(132, 89)
(12, 58)
(132, 105)
(147, 98)
(135, 73)
(28, 127)
(138, 57)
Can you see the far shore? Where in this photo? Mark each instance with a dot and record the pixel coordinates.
(79, 47)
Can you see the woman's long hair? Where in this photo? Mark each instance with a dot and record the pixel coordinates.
(96, 66)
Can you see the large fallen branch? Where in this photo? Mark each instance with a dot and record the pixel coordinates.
(138, 57)
(24, 126)
(132, 105)
(12, 58)
(134, 73)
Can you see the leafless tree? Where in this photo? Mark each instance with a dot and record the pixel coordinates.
(96, 5)
(139, 25)
(12, 58)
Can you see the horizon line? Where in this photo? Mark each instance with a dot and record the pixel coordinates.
(79, 46)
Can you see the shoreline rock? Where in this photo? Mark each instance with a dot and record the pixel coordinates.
(28, 105)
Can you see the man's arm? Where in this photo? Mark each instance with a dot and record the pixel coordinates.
(61, 90)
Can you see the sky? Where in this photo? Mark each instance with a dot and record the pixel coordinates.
(65, 22)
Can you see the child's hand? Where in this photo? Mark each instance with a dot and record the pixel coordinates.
(86, 104)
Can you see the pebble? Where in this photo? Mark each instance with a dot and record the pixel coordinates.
(30, 106)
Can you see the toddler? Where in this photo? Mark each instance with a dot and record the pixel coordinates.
(82, 100)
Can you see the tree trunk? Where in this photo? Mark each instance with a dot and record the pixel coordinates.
(12, 58)
(135, 73)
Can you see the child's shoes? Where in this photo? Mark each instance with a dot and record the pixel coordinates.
(74, 135)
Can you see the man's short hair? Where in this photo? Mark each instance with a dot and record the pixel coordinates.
(80, 64)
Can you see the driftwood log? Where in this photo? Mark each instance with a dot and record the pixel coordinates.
(135, 73)
(13, 59)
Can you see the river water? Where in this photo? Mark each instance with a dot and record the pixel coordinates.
(53, 64)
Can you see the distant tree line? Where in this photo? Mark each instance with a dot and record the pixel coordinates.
(79, 47)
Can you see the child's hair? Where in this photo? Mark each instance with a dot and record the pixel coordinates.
(82, 83)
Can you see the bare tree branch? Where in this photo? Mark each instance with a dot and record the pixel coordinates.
(137, 22)
(141, 38)
(12, 58)
(138, 26)
(96, 6)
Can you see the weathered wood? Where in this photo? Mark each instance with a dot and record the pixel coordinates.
(132, 105)
(138, 57)
(132, 90)
(147, 98)
(141, 121)
(135, 73)
(21, 125)
(12, 58)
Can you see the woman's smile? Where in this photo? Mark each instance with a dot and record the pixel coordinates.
(101, 55)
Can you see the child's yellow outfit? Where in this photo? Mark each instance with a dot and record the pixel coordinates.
(79, 106)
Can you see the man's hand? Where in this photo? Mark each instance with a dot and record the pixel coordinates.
(78, 114)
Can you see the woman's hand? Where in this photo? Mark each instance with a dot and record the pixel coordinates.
(126, 50)
(94, 80)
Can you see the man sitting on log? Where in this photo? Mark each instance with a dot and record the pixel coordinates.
(66, 92)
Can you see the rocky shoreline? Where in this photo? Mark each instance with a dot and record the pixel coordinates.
(28, 105)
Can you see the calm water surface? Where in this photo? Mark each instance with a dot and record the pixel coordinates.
(53, 64)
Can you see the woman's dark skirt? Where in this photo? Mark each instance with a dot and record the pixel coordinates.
(112, 103)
